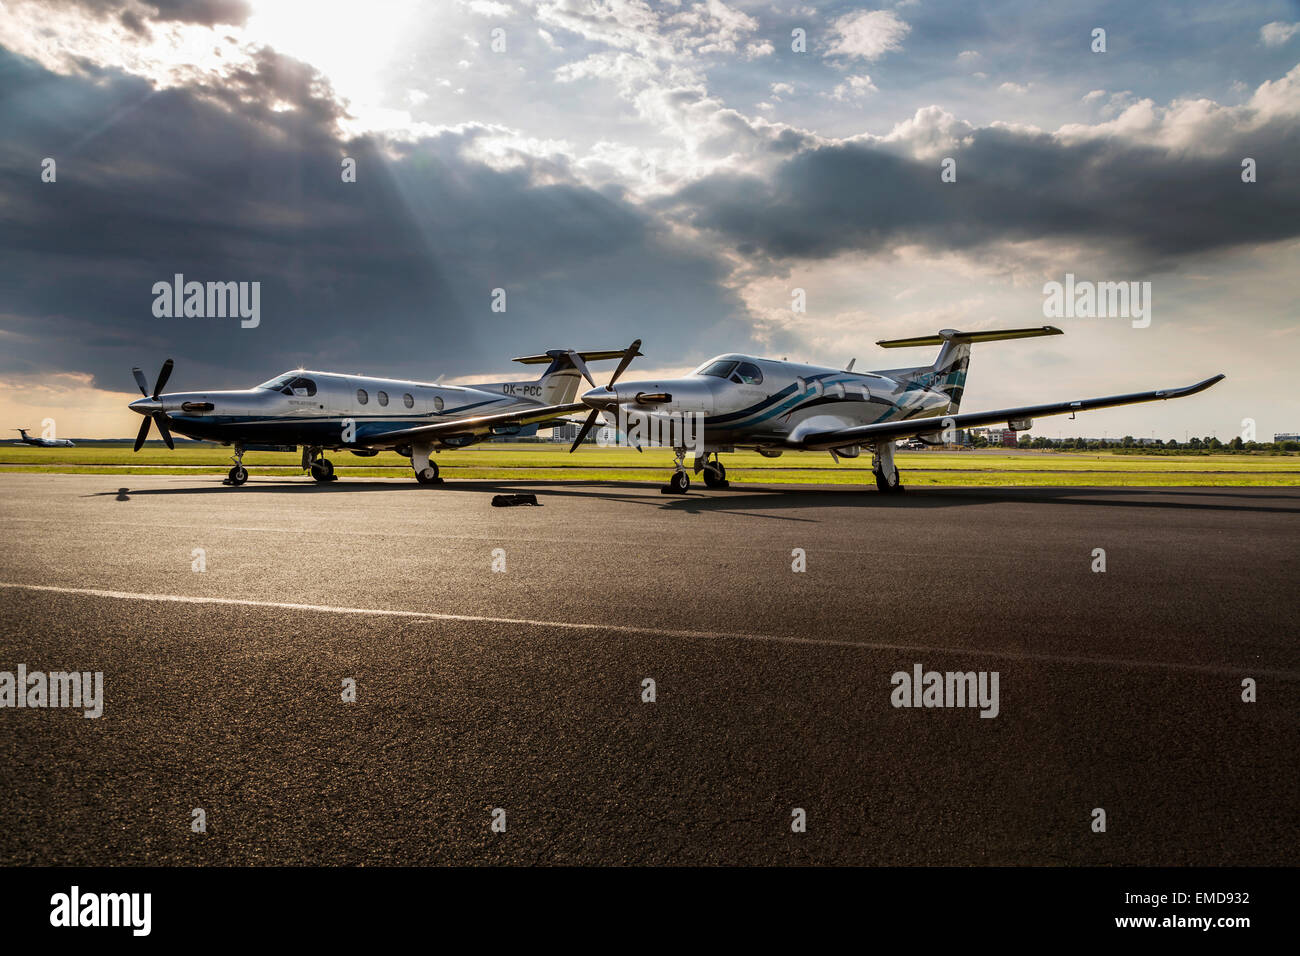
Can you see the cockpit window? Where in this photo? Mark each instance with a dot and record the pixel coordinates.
(719, 369)
(279, 383)
(748, 374)
(291, 384)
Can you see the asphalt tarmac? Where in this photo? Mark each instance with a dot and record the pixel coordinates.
(521, 690)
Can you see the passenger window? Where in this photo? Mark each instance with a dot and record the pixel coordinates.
(437, 404)
(362, 397)
(383, 397)
(408, 400)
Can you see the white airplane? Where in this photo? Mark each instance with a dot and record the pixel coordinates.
(328, 410)
(44, 442)
(776, 406)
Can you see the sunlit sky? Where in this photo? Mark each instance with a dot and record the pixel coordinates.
(667, 171)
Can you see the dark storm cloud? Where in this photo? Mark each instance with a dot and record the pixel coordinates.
(392, 274)
(136, 14)
(1148, 205)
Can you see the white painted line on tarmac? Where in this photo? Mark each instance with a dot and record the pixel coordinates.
(911, 649)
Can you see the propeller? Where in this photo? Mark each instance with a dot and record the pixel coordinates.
(577, 360)
(153, 414)
(630, 353)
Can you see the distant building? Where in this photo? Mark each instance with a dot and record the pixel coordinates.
(565, 433)
(1004, 437)
(1287, 436)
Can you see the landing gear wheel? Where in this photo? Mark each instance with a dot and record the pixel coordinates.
(715, 476)
(237, 475)
(322, 469)
(678, 484)
(883, 484)
(429, 475)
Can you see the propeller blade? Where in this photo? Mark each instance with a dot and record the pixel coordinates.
(164, 374)
(586, 427)
(143, 433)
(162, 430)
(576, 359)
(139, 380)
(633, 350)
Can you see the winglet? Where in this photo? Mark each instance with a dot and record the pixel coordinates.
(1191, 389)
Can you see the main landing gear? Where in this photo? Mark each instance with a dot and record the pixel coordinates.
(426, 471)
(715, 475)
(321, 468)
(882, 465)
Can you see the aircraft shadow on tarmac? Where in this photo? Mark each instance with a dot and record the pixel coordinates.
(749, 499)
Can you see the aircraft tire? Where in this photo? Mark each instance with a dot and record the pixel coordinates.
(886, 487)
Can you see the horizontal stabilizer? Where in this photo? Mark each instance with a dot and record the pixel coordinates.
(596, 356)
(952, 335)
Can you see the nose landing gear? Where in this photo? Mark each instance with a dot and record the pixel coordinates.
(680, 482)
(238, 474)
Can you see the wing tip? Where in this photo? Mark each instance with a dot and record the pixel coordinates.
(1185, 390)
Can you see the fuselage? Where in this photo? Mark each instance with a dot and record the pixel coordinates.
(46, 442)
(323, 408)
(746, 401)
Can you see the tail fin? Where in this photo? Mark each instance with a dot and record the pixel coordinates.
(559, 384)
(948, 373)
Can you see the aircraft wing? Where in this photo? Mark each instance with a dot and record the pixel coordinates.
(478, 427)
(906, 428)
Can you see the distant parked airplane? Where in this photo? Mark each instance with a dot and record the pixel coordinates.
(45, 442)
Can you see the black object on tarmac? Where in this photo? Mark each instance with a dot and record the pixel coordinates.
(506, 501)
